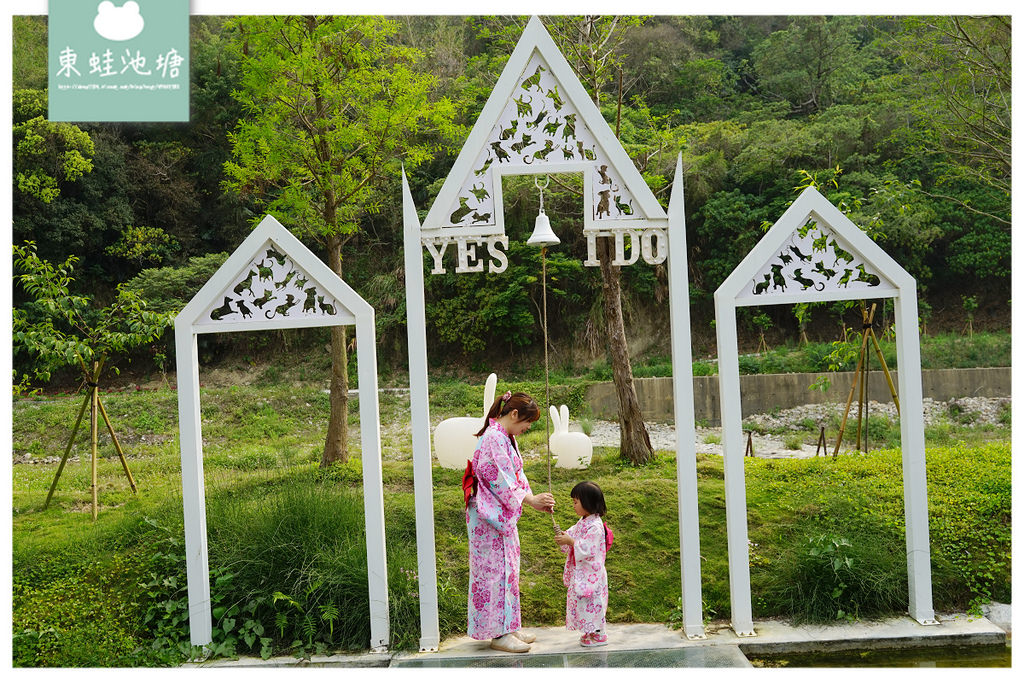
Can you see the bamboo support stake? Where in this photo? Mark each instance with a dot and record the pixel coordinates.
(849, 400)
(117, 445)
(94, 419)
(885, 369)
(822, 445)
(67, 451)
(860, 372)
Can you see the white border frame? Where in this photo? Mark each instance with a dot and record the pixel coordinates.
(193, 490)
(812, 203)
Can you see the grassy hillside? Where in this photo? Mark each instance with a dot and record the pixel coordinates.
(287, 554)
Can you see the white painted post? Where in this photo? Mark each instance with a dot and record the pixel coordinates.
(373, 490)
(912, 445)
(419, 407)
(682, 391)
(732, 448)
(193, 492)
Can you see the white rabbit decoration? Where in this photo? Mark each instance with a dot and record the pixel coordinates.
(455, 438)
(574, 449)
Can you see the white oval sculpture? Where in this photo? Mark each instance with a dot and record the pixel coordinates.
(574, 449)
(455, 438)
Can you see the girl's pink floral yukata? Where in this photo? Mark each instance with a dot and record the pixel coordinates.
(491, 517)
(585, 577)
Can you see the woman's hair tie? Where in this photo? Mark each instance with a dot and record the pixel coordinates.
(506, 396)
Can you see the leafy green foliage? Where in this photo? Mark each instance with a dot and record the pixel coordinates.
(47, 154)
(67, 329)
(352, 105)
(168, 289)
(142, 244)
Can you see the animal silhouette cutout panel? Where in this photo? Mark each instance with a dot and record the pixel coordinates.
(272, 287)
(540, 128)
(814, 258)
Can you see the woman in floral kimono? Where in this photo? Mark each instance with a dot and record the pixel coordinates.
(586, 580)
(492, 511)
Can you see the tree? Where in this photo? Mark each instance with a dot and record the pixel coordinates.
(814, 63)
(58, 329)
(331, 104)
(47, 154)
(591, 43)
(961, 74)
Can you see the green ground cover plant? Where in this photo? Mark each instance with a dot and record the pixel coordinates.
(287, 554)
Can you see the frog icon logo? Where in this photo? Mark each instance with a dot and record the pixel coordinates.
(118, 23)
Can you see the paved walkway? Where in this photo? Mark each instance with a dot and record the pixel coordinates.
(655, 645)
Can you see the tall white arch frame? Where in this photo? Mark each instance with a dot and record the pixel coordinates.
(608, 161)
(221, 306)
(809, 265)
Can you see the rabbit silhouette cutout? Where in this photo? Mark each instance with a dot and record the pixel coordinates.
(455, 438)
(573, 449)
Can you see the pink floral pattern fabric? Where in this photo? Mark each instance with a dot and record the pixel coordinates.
(585, 578)
(491, 518)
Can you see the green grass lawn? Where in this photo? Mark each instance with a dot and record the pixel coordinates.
(286, 542)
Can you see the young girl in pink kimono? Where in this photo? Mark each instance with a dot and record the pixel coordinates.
(499, 490)
(586, 543)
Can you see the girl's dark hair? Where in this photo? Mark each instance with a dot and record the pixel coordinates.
(524, 403)
(590, 497)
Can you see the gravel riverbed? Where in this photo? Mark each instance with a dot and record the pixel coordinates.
(770, 445)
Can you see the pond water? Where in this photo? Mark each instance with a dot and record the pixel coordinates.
(986, 656)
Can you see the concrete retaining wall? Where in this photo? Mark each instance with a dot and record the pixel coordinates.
(764, 393)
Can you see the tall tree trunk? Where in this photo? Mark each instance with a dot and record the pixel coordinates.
(336, 446)
(635, 442)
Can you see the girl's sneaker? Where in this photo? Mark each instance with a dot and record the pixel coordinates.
(593, 639)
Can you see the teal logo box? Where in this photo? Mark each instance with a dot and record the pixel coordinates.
(120, 60)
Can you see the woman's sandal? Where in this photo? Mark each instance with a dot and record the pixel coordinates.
(593, 640)
(509, 643)
(524, 636)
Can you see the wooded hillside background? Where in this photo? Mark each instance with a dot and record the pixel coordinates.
(902, 122)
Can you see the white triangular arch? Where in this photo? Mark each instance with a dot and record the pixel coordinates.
(342, 303)
(739, 289)
(836, 229)
(535, 47)
(335, 304)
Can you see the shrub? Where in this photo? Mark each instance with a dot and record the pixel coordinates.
(834, 576)
(793, 442)
(168, 289)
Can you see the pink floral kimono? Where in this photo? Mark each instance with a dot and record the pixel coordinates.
(491, 516)
(585, 577)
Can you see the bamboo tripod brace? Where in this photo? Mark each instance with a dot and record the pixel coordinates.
(860, 376)
(92, 399)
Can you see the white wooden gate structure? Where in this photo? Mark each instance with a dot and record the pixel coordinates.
(540, 120)
(272, 281)
(815, 253)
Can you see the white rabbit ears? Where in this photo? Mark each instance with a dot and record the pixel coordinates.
(559, 418)
(489, 387)
(555, 422)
